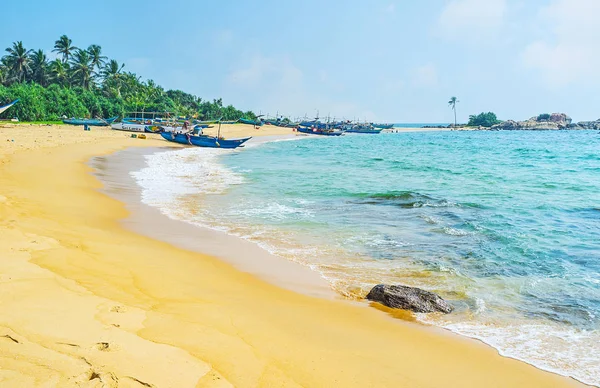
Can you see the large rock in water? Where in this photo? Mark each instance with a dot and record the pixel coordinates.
(409, 298)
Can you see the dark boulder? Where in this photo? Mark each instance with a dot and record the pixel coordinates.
(409, 298)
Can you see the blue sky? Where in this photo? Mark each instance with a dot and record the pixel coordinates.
(379, 60)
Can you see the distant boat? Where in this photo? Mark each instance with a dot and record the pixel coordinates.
(384, 126)
(90, 122)
(5, 107)
(319, 131)
(203, 140)
(373, 131)
(258, 122)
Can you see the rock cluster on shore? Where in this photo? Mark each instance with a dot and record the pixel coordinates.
(555, 121)
(409, 298)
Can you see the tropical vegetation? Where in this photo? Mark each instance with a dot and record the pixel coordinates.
(484, 119)
(85, 83)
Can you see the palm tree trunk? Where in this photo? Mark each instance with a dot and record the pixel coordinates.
(455, 117)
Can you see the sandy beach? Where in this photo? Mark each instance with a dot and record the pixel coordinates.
(86, 302)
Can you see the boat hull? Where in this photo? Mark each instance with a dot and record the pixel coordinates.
(129, 127)
(319, 132)
(203, 141)
(365, 131)
(90, 122)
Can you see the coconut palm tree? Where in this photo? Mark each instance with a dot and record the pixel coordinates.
(452, 104)
(64, 46)
(60, 72)
(18, 60)
(98, 59)
(40, 71)
(111, 73)
(82, 70)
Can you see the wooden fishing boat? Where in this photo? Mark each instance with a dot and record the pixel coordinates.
(129, 127)
(362, 128)
(90, 122)
(319, 131)
(5, 107)
(258, 122)
(203, 140)
(383, 126)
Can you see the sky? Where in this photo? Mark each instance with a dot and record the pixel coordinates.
(377, 60)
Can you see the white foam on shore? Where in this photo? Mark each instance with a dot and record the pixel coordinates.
(576, 352)
(171, 176)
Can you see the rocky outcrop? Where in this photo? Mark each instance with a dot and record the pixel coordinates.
(555, 121)
(586, 125)
(409, 298)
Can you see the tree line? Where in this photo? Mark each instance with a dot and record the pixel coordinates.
(85, 83)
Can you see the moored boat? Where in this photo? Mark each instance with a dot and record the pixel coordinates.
(5, 107)
(203, 140)
(130, 127)
(90, 122)
(320, 131)
(384, 126)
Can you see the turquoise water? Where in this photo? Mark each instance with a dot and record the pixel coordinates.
(504, 225)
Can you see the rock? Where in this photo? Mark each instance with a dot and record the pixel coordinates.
(555, 121)
(587, 125)
(409, 298)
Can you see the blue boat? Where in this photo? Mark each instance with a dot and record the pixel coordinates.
(319, 131)
(373, 131)
(90, 122)
(5, 107)
(203, 140)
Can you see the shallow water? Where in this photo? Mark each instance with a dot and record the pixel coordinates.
(504, 225)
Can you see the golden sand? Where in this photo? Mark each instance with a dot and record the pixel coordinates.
(86, 303)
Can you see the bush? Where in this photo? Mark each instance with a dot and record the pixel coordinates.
(544, 117)
(483, 119)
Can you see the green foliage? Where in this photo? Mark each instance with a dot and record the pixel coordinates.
(544, 116)
(84, 83)
(483, 119)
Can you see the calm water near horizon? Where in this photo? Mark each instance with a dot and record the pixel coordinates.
(504, 225)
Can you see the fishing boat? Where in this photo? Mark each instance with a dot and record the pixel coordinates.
(362, 128)
(384, 126)
(130, 127)
(203, 140)
(372, 131)
(257, 123)
(90, 122)
(320, 131)
(5, 107)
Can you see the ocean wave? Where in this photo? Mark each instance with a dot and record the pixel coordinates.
(532, 342)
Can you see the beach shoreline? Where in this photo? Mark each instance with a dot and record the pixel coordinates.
(90, 300)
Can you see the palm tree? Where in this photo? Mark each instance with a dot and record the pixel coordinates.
(98, 59)
(112, 76)
(39, 67)
(18, 60)
(452, 104)
(60, 72)
(82, 69)
(64, 46)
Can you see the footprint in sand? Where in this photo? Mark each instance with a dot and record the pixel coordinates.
(105, 347)
(118, 309)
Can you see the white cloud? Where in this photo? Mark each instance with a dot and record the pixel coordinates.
(570, 54)
(472, 19)
(425, 76)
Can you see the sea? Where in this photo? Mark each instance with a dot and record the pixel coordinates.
(503, 225)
